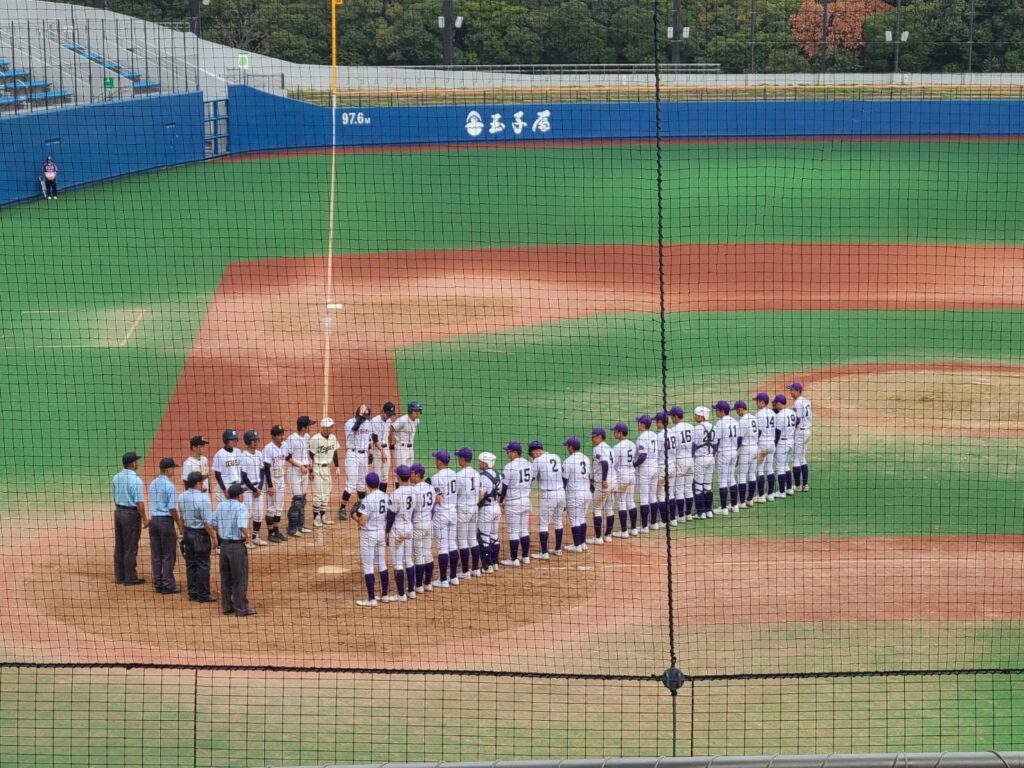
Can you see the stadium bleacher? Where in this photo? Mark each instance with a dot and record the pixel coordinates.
(111, 65)
(19, 90)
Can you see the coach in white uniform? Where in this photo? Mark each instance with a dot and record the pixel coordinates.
(578, 482)
(515, 499)
(323, 454)
(703, 461)
(746, 461)
(405, 427)
(802, 438)
(297, 448)
(357, 449)
(546, 468)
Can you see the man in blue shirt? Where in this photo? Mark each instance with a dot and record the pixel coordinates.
(163, 543)
(129, 520)
(229, 529)
(194, 508)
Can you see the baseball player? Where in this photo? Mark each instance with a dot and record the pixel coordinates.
(297, 449)
(624, 457)
(488, 512)
(680, 436)
(275, 461)
(546, 469)
(785, 431)
(253, 481)
(746, 459)
(703, 462)
(578, 481)
(227, 465)
(399, 530)
(405, 427)
(648, 464)
(371, 516)
(422, 529)
(446, 486)
(665, 511)
(604, 486)
(196, 462)
(379, 459)
(727, 434)
(802, 437)
(357, 448)
(765, 449)
(323, 453)
(515, 501)
(468, 493)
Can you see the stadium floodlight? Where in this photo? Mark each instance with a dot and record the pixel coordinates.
(686, 33)
(440, 22)
(905, 36)
(671, 31)
(458, 22)
(888, 35)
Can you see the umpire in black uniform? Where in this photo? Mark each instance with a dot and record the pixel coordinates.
(195, 509)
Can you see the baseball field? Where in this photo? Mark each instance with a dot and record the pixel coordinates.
(514, 291)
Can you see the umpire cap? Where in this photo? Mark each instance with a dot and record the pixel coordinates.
(234, 490)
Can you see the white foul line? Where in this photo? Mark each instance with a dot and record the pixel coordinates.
(131, 330)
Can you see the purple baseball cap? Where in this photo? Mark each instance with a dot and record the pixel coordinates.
(597, 432)
(403, 471)
(373, 480)
(644, 419)
(762, 397)
(535, 445)
(722, 405)
(677, 411)
(796, 386)
(621, 427)
(780, 399)
(661, 416)
(443, 456)
(572, 442)
(464, 453)
(514, 445)
(418, 469)
(740, 404)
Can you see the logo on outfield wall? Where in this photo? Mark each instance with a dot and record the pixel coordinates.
(496, 123)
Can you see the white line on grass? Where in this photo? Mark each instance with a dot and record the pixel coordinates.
(131, 331)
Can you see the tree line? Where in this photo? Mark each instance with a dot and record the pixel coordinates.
(740, 35)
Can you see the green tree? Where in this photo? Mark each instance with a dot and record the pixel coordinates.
(498, 32)
(571, 35)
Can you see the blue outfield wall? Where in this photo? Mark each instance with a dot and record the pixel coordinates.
(261, 121)
(97, 142)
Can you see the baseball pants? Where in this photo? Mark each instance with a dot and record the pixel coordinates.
(355, 472)
(603, 498)
(647, 483)
(801, 440)
(746, 465)
(298, 483)
(517, 518)
(783, 456)
(487, 523)
(321, 486)
(445, 526)
(371, 551)
(422, 544)
(255, 504)
(703, 470)
(404, 455)
(381, 466)
(725, 464)
(401, 551)
(765, 460)
(466, 527)
(577, 505)
(275, 497)
(624, 493)
(684, 478)
(552, 509)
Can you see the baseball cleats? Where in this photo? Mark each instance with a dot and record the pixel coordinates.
(571, 548)
(583, 547)
(327, 521)
(366, 603)
(428, 587)
(411, 594)
(258, 542)
(491, 569)
(761, 500)
(791, 491)
(618, 535)
(389, 599)
(544, 556)
(595, 541)
(420, 590)
(342, 513)
(557, 553)
(609, 537)
(634, 531)
(510, 563)
(525, 560)
(306, 530)
(401, 598)
(674, 523)
(477, 573)
(454, 582)
(647, 528)
(317, 522)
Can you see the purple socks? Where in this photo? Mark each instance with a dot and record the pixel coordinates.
(544, 542)
(524, 542)
(383, 583)
(368, 578)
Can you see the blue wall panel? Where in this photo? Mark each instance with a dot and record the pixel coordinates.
(97, 142)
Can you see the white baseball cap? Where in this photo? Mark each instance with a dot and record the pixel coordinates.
(326, 422)
(700, 410)
(487, 458)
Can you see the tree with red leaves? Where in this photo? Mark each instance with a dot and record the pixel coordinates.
(845, 24)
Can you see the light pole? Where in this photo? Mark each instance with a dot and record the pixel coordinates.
(970, 41)
(900, 37)
(193, 16)
(447, 23)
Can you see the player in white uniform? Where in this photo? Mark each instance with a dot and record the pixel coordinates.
(275, 461)
(254, 481)
(578, 482)
(703, 462)
(746, 460)
(422, 529)
(468, 492)
(546, 468)
(400, 533)
(624, 456)
(196, 462)
(727, 433)
(227, 465)
(765, 449)
(785, 430)
(804, 422)
(297, 448)
(405, 427)
(446, 517)
(379, 459)
(488, 512)
(357, 450)
(648, 463)
(323, 454)
(515, 502)
(664, 511)
(372, 518)
(604, 487)
(681, 440)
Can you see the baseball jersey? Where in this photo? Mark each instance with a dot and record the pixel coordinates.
(624, 453)
(192, 464)
(424, 509)
(646, 443)
(228, 461)
(684, 439)
(802, 409)
(276, 456)
(375, 507)
(445, 484)
(379, 428)
(576, 471)
(659, 445)
(323, 448)
(297, 448)
(727, 430)
(673, 439)
(603, 453)
(516, 477)
(703, 439)
(468, 488)
(404, 503)
(748, 430)
(785, 422)
(547, 471)
(765, 428)
(252, 466)
(359, 439)
(405, 429)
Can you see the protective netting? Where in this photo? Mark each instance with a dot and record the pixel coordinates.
(511, 255)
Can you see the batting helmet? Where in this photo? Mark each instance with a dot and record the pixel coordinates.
(229, 434)
(414, 405)
(251, 436)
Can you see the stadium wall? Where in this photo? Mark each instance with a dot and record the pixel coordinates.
(97, 142)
